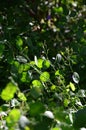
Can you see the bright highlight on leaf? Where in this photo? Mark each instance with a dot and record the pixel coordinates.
(57, 73)
(36, 83)
(19, 42)
(72, 86)
(24, 68)
(66, 102)
(76, 77)
(56, 128)
(49, 114)
(22, 96)
(45, 76)
(36, 88)
(53, 87)
(24, 77)
(46, 64)
(58, 10)
(9, 91)
(13, 117)
(40, 62)
(80, 118)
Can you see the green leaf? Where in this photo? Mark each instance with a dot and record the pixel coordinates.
(9, 91)
(26, 67)
(60, 115)
(36, 83)
(26, 77)
(57, 73)
(32, 63)
(16, 64)
(46, 64)
(35, 92)
(56, 128)
(72, 86)
(66, 102)
(2, 47)
(80, 118)
(19, 42)
(53, 87)
(36, 89)
(58, 10)
(13, 117)
(45, 76)
(40, 62)
(21, 68)
(36, 108)
(22, 96)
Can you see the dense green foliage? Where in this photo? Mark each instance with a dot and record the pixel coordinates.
(42, 64)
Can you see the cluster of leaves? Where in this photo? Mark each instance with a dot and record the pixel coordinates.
(42, 65)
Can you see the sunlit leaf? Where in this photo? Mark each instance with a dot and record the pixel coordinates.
(39, 65)
(53, 87)
(22, 96)
(26, 67)
(19, 42)
(27, 128)
(45, 76)
(72, 86)
(13, 117)
(56, 128)
(58, 10)
(32, 63)
(66, 102)
(36, 89)
(9, 91)
(21, 68)
(46, 64)
(26, 77)
(16, 64)
(57, 73)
